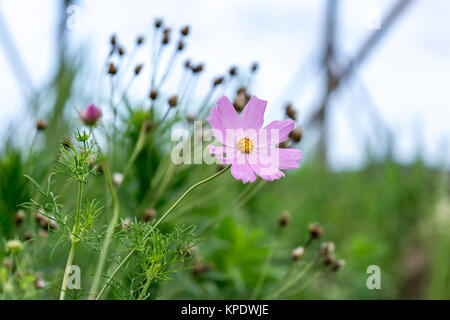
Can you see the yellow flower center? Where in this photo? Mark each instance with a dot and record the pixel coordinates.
(245, 145)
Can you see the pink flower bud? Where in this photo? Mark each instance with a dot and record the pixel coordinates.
(90, 114)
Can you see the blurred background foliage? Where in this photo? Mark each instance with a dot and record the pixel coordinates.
(386, 213)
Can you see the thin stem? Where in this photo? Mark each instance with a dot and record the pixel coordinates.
(265, 269)
(74, 239)
(144, 290)
(157, 223)
(108, 237)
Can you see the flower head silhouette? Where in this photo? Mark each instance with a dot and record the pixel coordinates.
(247, 146)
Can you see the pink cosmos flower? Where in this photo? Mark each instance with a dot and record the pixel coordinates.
(247, 146)
(90, 114)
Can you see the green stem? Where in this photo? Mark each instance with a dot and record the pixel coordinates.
(108, 237)
(265, 269)
(74, 239)
(144, 290)
(157, 223)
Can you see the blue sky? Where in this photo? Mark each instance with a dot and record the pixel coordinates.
(407, 75)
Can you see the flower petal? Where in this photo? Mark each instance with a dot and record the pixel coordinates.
(241, 170)
(275, 132)
(253, 114)
(260, 163)
(230, 118)
(288, 158)
(224, 121)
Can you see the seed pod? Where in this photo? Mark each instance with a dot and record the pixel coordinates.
(232, 71)
(27, 235)
(315, 230)
(173, 101)
(329, 259)
(187, 64)
(140, 40)
(19, 216)
(43, 233)
(180, 46)
(41, 125)
(113, 40)
(190, 119)
(201, 267)
(158, 23)
(296, 135)
(112, 70)
(291, 112)
(198, 68)
(166, 36)
(297, 253)
(153, 94)
(240, 101)
(284, 144)
(138, 69)
(337, 265)
(327, 248)
(284, 219)
(184, 31)
(254, 66)
(121, 51)
(149, 215)
(218, 81)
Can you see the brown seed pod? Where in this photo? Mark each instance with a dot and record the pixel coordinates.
(315, 230)
(291, 112)
(153, 94)
(337, 265)
(187, 64)
(297, 253)
(27, 235)
(180, 46)
(138, 69)
(41, 125)
(233, 71)
(198, 68)
(296, 134)
(121, 51)
(184, 31)
(254, 66)
(218, 81)
(158, 23)
(173, 101)
(284, 219)
(149, 215)
(19, 216)
(140, 40)
(112, 70)
(113, 40)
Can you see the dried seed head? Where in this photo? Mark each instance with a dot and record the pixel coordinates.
(198, 68)
(180, 46)
(218, 81)
(112, 70)
(39, 216)
(149, 125)
(190, 250)
(240, 101)
(297, 253)
(284, 218)
(117, 178)
(41, 125)
(121, 51)
(90, 114)
(149, 215)
(254, 66)
(53, 224)
(19, 216)
(337, 265)
(232, 71)
(166, 36)
(315, 230)
(158, 23)
(14, 246)
(113, 40)
(173, 101)
(187, 64)
(327, 247)
(39, 283)
(190, 119)
(184, 31)
(296, 134)
(201, 267)
(329, 259)
(138, 69)
(291, 112)
(153, 94)
(140, 40)
(126, 223)
(284, 144)
(27, 235)
(43, 233)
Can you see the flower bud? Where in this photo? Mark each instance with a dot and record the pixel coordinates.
(315, 230)
(291, 112)
(112, 70)
(184, 31)
(138, 69)
(218, 81)
(296, 134)
(232, 71)
(90, 114)
(297, 253)
(126, 223)
(173, 101)
(153, 94)
(14, 246)
(337, 265)
(117, 178)
(140, 40)
(19, 216)
(284, 219)
(41, 125)
(149, 215)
